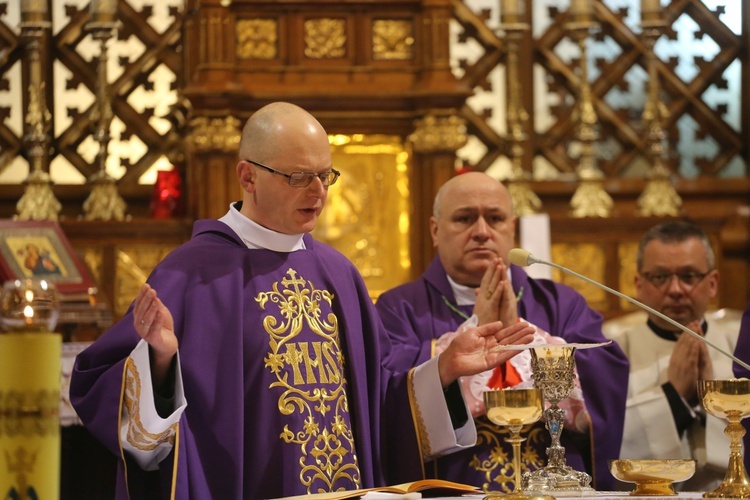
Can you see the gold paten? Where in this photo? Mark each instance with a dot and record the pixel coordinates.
(652, 477)
(729, 399)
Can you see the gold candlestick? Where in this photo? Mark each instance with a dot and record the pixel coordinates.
(659, 197)
(104, 202)
(38, 201)
(590, 199)
(525, 201)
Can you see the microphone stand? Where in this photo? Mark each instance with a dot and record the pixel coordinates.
(523, 258)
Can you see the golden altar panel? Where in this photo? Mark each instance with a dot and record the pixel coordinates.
(367, 211)
(587, 259)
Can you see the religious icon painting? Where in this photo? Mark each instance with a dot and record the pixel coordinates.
(40, 250)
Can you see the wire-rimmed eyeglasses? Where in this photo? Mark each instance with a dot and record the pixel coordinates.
(303, 179)
(686, 278)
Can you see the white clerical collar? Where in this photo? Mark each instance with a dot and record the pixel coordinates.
(465, 295)
(256, 236)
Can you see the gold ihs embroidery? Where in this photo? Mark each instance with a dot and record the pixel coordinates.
(317, 389)
(495, 459)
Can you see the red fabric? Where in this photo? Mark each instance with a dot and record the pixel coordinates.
(504, 376)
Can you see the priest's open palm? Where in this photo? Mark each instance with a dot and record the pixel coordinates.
(153, 322)
(473, 349)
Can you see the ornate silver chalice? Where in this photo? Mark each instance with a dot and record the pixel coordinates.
(729, 399)
(552, 368)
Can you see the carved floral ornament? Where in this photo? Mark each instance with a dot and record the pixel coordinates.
(215, 134)
(433, 133)
(392, 39)
(325, 38)
(257, 39)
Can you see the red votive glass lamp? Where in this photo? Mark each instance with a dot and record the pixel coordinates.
(166, 200)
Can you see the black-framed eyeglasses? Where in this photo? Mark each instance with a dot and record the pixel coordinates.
(687, 278)
(303, 179)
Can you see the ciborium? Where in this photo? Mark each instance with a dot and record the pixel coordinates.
(513, 408)
(729, 399)
(553, 371)
(652, 477)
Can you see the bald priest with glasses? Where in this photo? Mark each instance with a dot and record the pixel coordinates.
(664, 417)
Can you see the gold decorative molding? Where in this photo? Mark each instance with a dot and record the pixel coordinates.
(215, 134)
(134, 264)
(434, 133)
(585, 258)
(392, 39)
(325, 38)
(627, 253)
(257, 39)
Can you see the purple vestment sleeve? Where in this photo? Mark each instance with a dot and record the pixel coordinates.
(416, 313)
(742, 351)
(285, 366)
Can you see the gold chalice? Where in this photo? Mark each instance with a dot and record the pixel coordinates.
(729, 399)
(513, 408)
(652, 477)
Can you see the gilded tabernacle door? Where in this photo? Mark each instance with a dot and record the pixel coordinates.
(367, 211)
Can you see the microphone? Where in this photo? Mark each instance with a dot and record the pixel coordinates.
(523, 258)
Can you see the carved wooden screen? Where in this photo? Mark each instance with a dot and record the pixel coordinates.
(144, 73)
(700, 65)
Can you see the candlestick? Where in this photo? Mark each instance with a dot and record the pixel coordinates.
(33, 7)
(582, 11)
(650, 11)
(103, 11)
(512, 11)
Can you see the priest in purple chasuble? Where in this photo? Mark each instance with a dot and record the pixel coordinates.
(261, 369)
(473, 230)
(742, 352)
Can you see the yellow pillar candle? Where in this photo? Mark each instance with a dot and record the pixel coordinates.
(29, 415)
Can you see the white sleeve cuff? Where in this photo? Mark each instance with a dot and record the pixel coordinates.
(438, 435)
(144, 435)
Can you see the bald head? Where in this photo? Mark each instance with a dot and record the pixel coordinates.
(472, 224)
(468, 182)
(270, 128)
(278, 140)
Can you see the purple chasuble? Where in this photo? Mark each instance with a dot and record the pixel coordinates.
(281, 357)
(742, 352)
(416, 313)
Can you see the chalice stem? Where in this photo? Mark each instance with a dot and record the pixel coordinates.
(736, 483)
(515, 440)
(555, 418)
